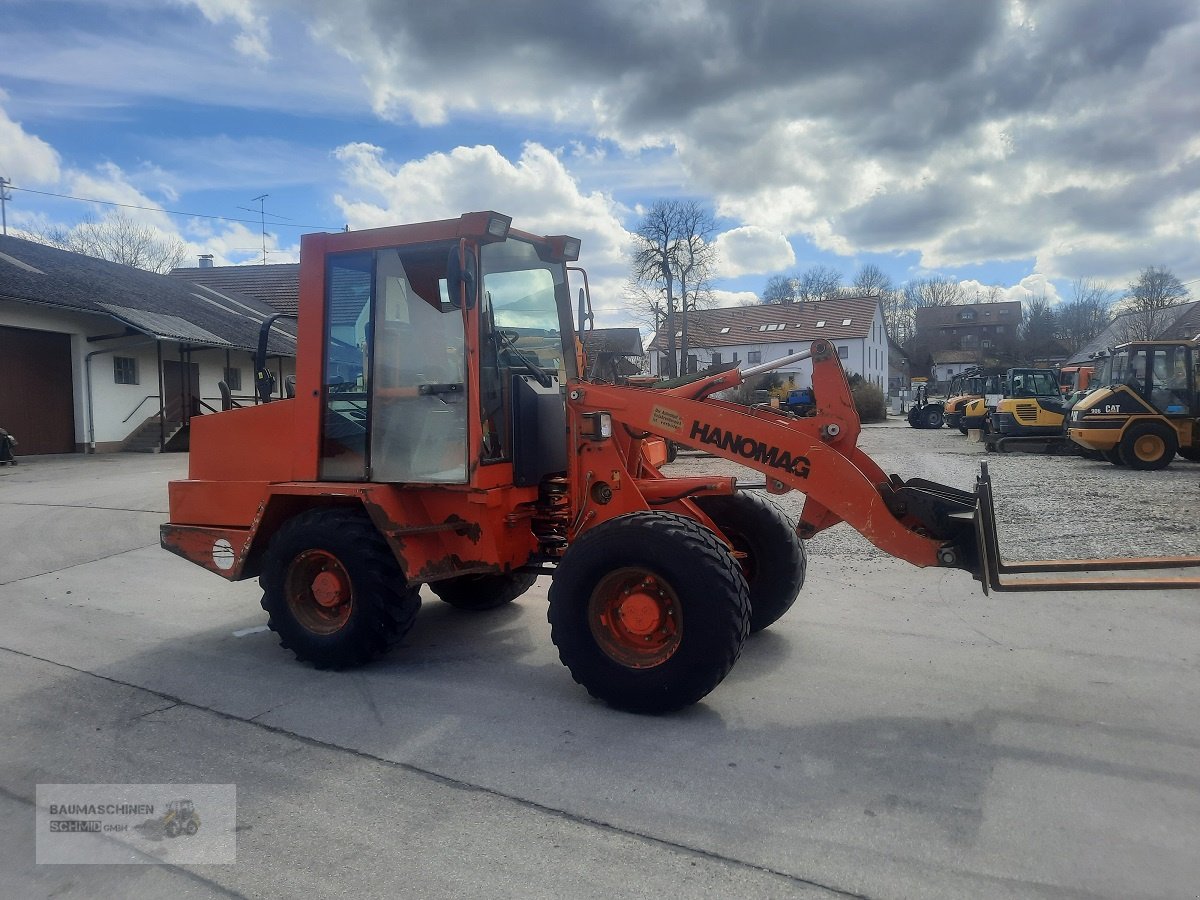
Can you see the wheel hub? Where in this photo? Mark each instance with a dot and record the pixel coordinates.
(636, 618)
(319, 591)
(329, 590)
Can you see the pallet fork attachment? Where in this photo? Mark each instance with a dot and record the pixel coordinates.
(996, 575)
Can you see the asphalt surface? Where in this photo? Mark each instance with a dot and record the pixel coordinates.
(897, 734)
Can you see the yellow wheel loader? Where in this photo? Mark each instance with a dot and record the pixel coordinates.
(1148, 409)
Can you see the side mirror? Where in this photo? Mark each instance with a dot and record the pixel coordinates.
(461, 277)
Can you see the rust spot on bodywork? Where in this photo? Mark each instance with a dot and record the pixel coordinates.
(472, 531)
(452, 565)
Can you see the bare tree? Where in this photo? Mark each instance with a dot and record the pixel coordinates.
(673, 261)
(819, 283)
(872, 281)
(898, 317)
(118, 239)
(1087, 314)
(780, 289)
(1147, 301)
(935, 291)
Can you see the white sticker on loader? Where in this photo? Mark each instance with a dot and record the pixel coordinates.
(222, 555)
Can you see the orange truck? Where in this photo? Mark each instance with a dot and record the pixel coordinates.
(440, 434)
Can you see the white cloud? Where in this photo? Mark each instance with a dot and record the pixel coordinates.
(536, 189)
(253, 38)
(751, 250)
(25, 159)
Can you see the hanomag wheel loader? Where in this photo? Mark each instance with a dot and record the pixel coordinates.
(440, 434)
(1148, 408)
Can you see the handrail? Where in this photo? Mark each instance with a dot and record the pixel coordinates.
(139, 406)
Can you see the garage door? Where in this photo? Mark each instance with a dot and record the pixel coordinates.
(35, 390)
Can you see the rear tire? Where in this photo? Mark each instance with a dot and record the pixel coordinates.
(933, 417)
(1190, 453)
(649, 611)
(479, 592)
(1148, 446)
(333, 590)
(1113, 456)
(774, 563)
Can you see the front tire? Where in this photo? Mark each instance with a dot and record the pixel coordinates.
(1148, 446)
(333, 590)
(933, 417)
(772, 556)
(479, 592)
(649, 611)
(1190, 453)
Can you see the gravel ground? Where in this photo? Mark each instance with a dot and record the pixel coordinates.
(1047, 507)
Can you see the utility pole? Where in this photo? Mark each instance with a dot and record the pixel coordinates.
(5, 196)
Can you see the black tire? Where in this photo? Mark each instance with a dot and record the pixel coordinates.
(672, 451)
(1147, 446)
(1190, 453)
(774, 562)
(172, 829)
(934, 417)
(478, 592)
(914, 417)
(1113, 456)
(191, 828)
(652, 577)
(368, 606)
(962, 429)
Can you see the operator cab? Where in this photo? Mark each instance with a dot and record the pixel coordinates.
(399, 344)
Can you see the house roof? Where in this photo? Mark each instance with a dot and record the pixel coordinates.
(841, 319)
(277, 285)
(162, 307)
(1185, 323)
(621, 341)
(954, 357)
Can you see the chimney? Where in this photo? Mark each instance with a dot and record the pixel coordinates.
(206, 260)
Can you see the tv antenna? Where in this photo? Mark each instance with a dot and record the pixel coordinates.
(262, 219)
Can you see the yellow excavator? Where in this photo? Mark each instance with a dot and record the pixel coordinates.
(1031, 417)
(1148, 409)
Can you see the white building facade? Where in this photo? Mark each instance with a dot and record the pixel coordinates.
(758, 334)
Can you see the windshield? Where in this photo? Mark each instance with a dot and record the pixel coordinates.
(524, 296)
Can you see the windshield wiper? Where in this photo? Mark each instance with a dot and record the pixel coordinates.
(510, 343)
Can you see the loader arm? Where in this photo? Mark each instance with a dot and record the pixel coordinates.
(817, 456)
(922, 522)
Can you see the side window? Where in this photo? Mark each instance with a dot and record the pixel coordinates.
(348, 324)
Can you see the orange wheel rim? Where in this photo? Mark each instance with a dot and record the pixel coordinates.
(636, 618)
(319, 592)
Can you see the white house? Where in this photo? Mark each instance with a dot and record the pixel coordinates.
(97, 356)
(758, 334)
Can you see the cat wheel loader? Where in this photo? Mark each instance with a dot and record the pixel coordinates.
(440, 434)
(1148, 408)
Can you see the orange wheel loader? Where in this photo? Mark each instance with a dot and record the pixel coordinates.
(440, 434)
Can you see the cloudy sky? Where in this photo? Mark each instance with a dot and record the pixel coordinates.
(1020, 144)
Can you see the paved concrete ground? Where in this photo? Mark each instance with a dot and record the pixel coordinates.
(896, 735)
